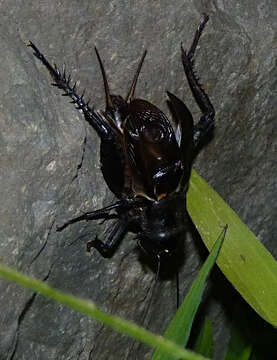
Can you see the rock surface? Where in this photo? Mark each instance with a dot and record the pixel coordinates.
(50, 158)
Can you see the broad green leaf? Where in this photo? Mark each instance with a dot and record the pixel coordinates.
(180, 326)
(204, 342)
(243, 259)
(89, 308)
(238, 347)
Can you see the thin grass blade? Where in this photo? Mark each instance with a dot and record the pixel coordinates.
(180, 326)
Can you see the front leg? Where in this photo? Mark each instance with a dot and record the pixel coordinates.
(95, 215)
(107, 248)
(207, 119)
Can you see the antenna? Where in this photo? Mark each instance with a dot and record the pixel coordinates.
(151, 291)
(131, 92)
(109, 103)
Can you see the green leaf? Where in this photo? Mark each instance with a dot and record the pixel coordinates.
(204, 342)
(238, 347)
(243, 259)
(180, 326)
(89, 308)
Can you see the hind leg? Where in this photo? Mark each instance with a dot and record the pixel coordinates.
(207, 119)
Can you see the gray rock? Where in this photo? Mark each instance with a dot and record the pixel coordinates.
(50, 157)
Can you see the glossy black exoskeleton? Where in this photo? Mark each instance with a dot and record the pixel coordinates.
(142, 162)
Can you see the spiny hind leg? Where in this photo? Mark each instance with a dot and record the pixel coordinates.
(207, 119)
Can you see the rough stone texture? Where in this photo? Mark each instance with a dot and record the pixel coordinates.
(50, 174)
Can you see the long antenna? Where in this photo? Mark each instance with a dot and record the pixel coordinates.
(131, 92)
(177, 288)
(150, 296)
(109, 103)
(152, 289)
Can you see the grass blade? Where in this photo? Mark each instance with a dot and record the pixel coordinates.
(238, 348)
(243, 259)
(89, 308)
(204, 342)
(180, 326)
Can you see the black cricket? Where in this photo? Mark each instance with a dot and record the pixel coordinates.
(142, 162)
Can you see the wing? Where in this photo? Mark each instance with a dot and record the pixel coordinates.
(184, 119)
(152, 151)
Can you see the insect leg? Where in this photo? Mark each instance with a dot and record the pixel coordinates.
(63, 82)
(93, 215)
(107, 248)
(202, 99)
